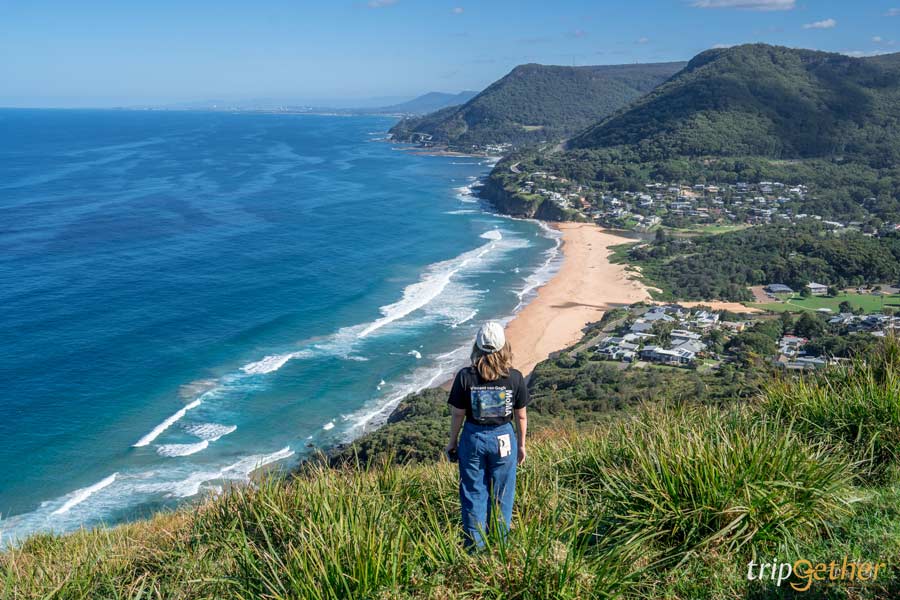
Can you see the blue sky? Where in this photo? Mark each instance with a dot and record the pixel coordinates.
(122, 52)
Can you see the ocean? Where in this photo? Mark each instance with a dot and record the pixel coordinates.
(188, 297)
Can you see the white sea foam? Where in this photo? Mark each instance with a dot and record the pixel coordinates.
(166, 424)
(271, 363)
(193, 483)
(79, 496)
(466, 193)
(210, 432)
(415, 353)
(465, 319)
(493, 234)
(429, 287)
(545, 272)
(172, 450)
(462, 211)
(328, 426)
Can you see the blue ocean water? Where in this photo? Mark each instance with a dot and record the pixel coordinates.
(189, 296)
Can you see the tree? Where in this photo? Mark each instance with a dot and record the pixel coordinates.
(747, 343)
(787, 322)
(845, 307)
(663, 332)
(809, 326)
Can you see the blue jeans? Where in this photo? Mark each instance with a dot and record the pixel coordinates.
(487, 480)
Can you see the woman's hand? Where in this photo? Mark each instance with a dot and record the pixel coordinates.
(450, 446)
(522, 453)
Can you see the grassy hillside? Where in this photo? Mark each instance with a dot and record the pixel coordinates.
(538, 102)
(668, 502)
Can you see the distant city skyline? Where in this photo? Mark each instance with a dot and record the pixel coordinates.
(357, 52)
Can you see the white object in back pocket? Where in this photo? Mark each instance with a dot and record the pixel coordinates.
(505, 444)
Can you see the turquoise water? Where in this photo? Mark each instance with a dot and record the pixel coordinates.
(189, 296)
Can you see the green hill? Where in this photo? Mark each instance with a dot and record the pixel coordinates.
(537, 102)
(665, 502)
(759, 100)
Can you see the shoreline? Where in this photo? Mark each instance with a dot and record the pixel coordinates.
(586, 285)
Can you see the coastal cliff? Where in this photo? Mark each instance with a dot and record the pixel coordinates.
(529, 206)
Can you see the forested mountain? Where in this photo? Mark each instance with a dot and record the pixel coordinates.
(538, 102)
(430, 102)
(759, 100)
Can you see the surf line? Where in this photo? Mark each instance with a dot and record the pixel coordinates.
(166, 424)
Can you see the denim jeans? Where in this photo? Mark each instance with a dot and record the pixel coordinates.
(486, 480)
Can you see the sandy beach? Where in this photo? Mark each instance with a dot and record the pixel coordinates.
(586, 285)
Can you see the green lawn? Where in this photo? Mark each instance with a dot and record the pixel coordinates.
(870, 303)
(709, 229)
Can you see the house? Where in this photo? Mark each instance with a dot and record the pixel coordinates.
(804, 363)
(641, 326)
(790, 345)
(682, 335)
(705, 319)
(842, 319)
(693, 346)
(778, 288)
(668, 357)
(817, 289)
(735, 326)
(658, 313)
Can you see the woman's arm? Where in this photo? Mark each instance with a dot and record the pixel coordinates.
(521, 431)
(457, 416)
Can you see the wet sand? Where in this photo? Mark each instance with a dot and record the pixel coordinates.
(586, 285)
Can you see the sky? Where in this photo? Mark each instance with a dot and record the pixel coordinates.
(356, 52)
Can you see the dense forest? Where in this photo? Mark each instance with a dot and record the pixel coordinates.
(723, 266)
(759, 100)
(538, 102)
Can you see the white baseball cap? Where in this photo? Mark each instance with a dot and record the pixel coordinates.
(490, 337)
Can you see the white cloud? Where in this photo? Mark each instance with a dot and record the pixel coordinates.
(824, 24)
(381, 3)
(643, 40)
(892, 12)
(747, 4)
(458, 10)
(876, 39)
(722, 46)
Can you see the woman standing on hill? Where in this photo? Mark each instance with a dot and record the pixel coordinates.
(486, 396)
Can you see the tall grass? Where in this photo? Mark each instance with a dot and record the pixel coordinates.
(857, 407)
(666, 503)
(689, 480)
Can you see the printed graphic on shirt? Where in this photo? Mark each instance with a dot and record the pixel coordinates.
(491, 402)
(505, 445)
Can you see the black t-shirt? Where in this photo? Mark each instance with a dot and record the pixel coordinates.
(488, 402)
